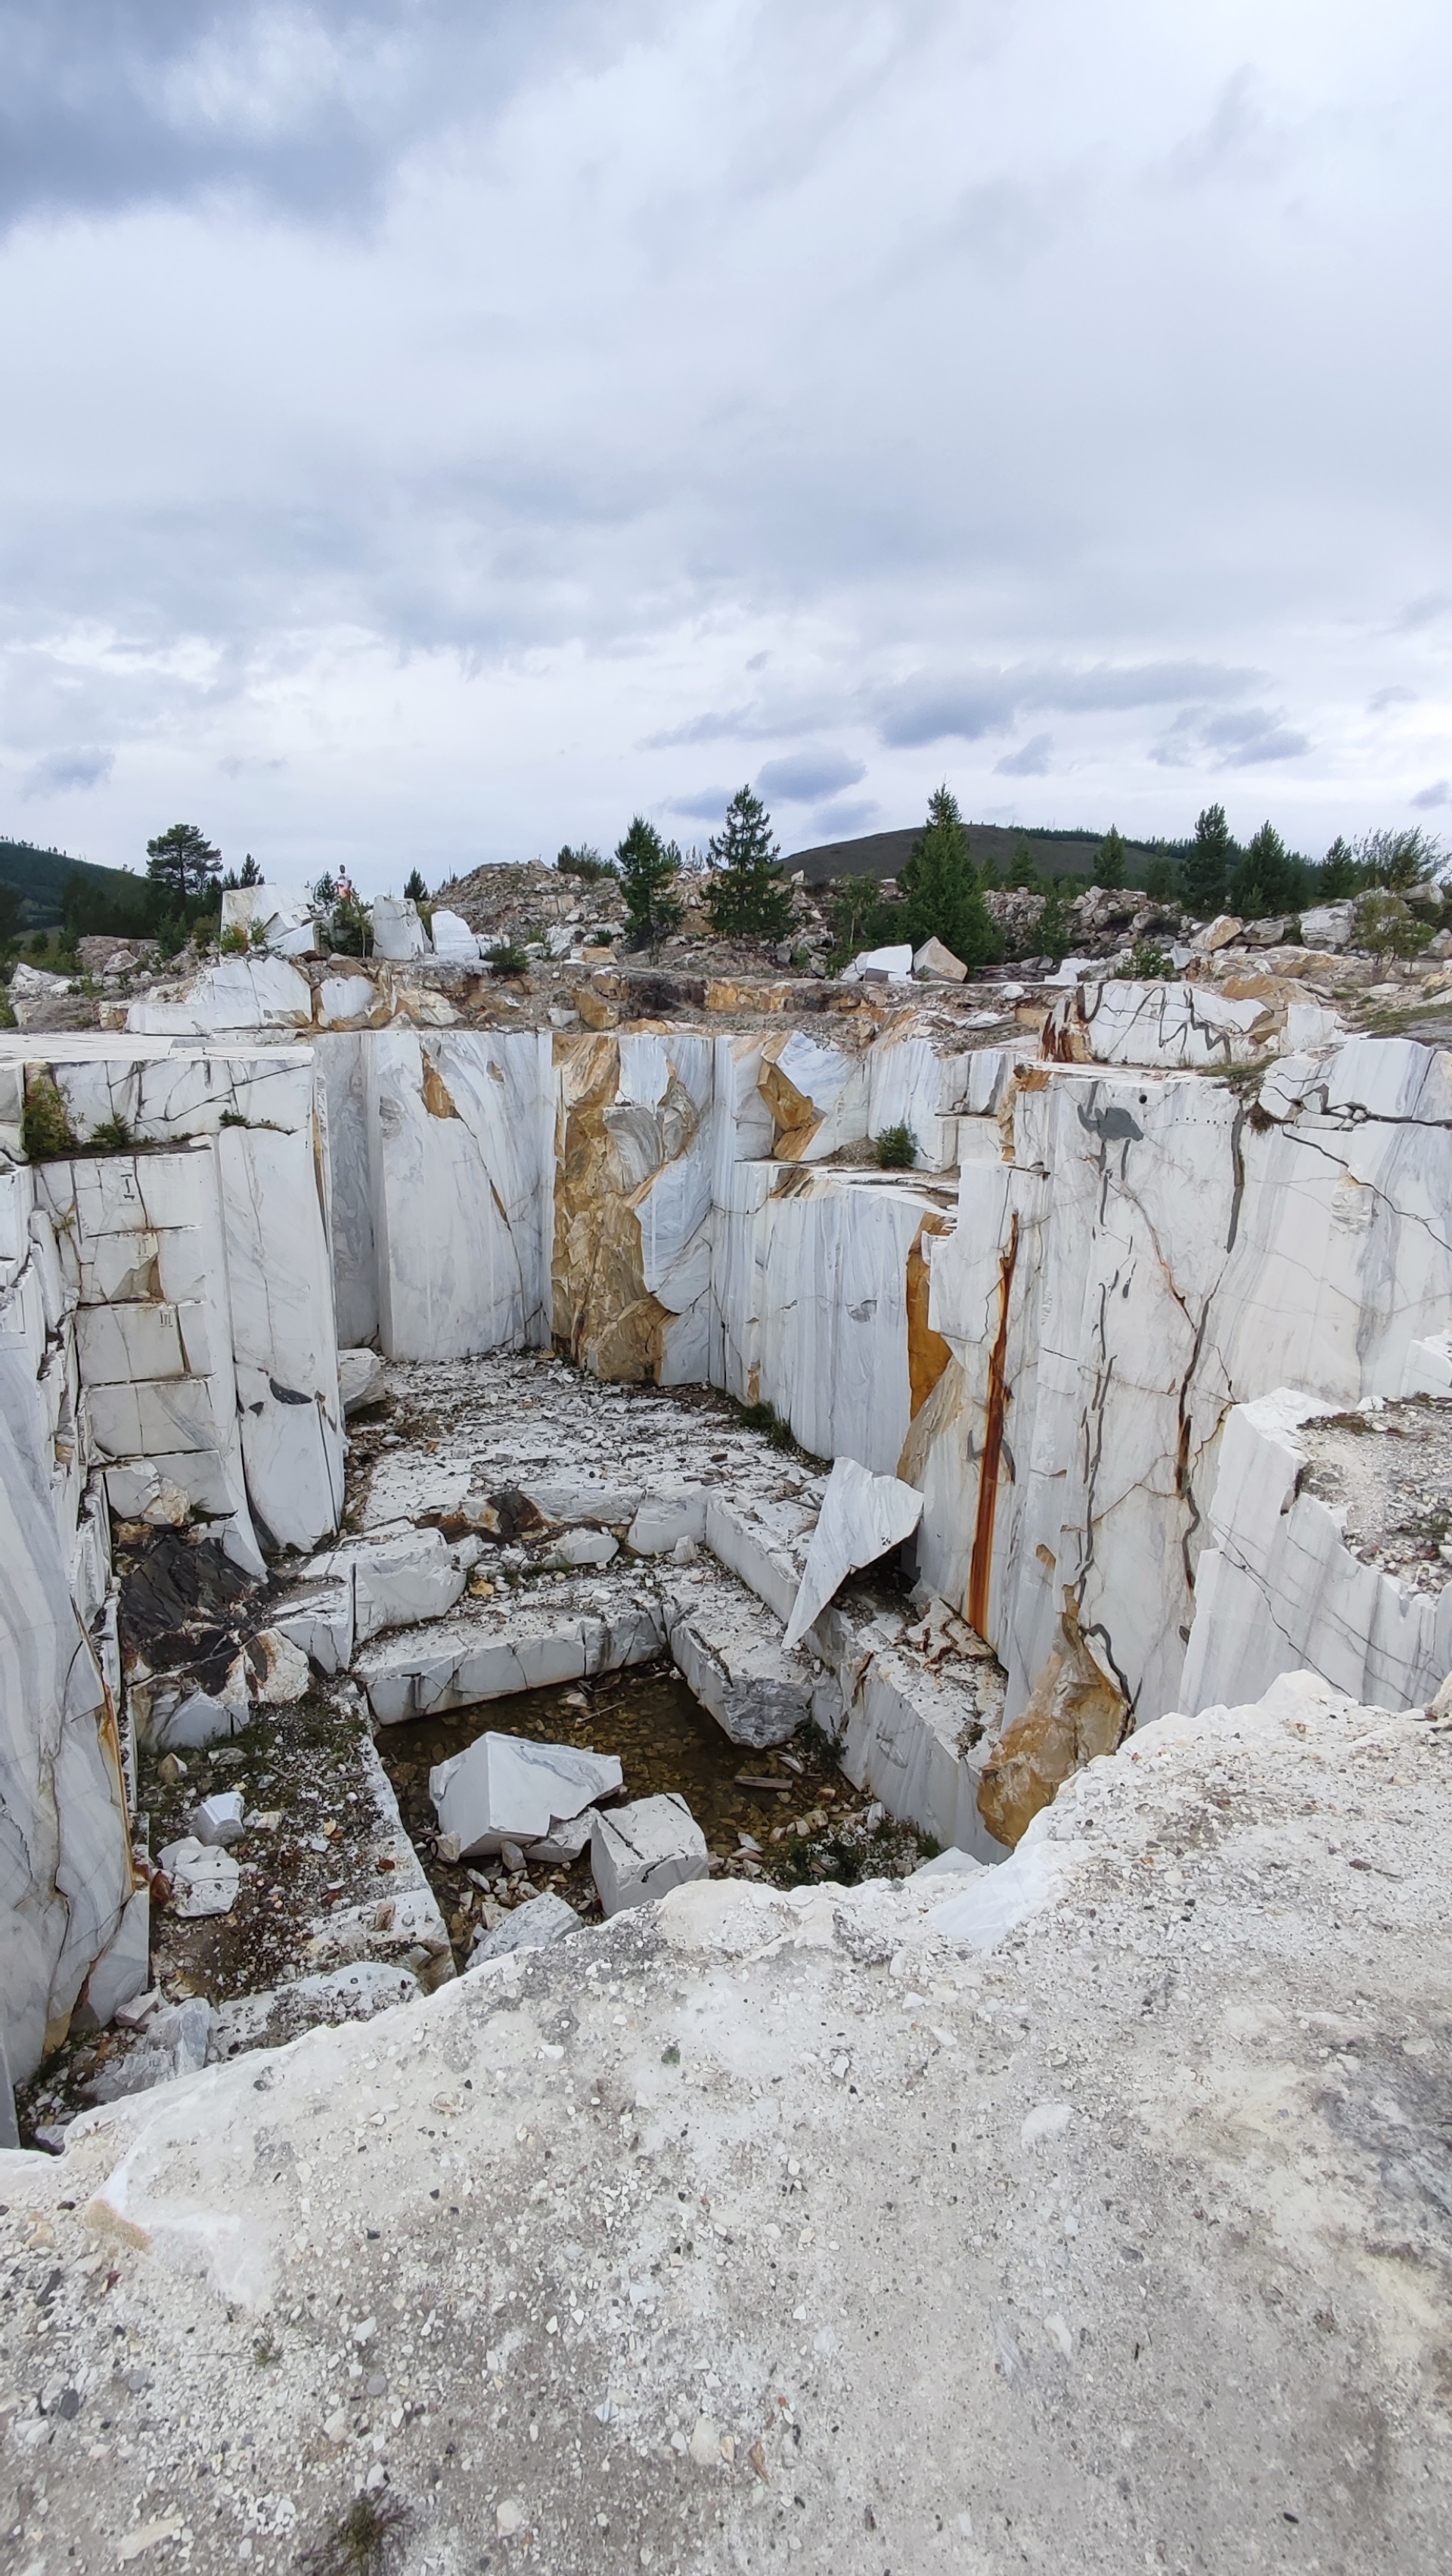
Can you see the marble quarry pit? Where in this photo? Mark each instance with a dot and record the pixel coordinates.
(357, 1372)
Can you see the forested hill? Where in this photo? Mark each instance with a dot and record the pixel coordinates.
(40, 878)
(885, 854)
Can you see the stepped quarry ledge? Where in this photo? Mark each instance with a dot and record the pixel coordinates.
(1073, 1503)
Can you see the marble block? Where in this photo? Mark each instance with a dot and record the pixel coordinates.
(397, 930)
(534, 1926)
(641, 1851)
(506, 1788)
(734, 1661)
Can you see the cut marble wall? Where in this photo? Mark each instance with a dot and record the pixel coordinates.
(343, 1065)
(239, 993)
(458, 1127)
(65, 1866)
(1148, 1257)
(284, 1341)
(1278, 1590)
(1166, 1025)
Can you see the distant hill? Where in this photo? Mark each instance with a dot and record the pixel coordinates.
(40, 878)
(886, 854)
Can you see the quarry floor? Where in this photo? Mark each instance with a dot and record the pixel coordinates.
(809, 2226)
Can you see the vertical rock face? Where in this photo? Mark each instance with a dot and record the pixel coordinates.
(458, 1174)
(166, 1348)
(1150, 1255)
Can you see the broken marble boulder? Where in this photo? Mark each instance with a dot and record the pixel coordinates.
(176, 2042)
(584, 1547)
(362, 1379)
(218, 1820)
(204, 1879)
(641, 1851)
(506, 1789)
(933, 963)
(535, 1926)
(880, 966)
(279, 1668)
(862, 1516)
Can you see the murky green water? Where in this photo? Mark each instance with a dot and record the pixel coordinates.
(665, 1741)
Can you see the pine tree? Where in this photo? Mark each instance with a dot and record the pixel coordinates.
(1339, 873)
(940, 894)
(745, 896)
(1054, 934)
(647, 868)
(1162, 878)
(1269, 878)
(1109, 867)
(181, 863)
(1022, 874)
(251, 872)
(1205, 868)
(415, 891)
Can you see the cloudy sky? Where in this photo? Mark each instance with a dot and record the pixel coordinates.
(436, 429)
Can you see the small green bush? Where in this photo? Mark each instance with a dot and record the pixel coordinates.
(1386, 927)
(45, 1126)
(1149, 964)
(234, 942)
(584, 863)
(113, 1136)
(506, 957)
(897, 1149)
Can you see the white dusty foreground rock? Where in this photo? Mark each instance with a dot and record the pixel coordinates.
(756, 2228)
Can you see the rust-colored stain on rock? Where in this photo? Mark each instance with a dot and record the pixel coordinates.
(928, 1353)
(608, 1154)
(438, 1100)
(1075, 1713)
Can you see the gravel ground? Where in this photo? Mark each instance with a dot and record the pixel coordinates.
(759, 2228)
(1389, 1474)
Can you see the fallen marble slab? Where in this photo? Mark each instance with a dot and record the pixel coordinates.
(533, 1926)
(862, 1516)
(732, 1657)
(398, 1577)
(505, 1788)
(584, 1547)
(204, 1879)
(641, 1851)
(278, 1666)
(501, 1651)
(176, 2041)
(764, 1541)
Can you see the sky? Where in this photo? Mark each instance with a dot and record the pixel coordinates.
(437, 430)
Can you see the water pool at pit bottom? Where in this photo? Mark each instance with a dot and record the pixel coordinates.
(665, 1740)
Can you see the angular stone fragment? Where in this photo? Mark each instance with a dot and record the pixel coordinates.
(218, 1820)
(507, 1789)
(861, 1517)
(204, 1880)
(584, 1547)
(279, 1668)
(535, 1926)
(640, 1851)
(397, 930)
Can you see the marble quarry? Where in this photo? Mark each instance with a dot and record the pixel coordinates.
(1065, 1369)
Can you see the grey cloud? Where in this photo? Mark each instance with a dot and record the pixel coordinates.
(708, 807)
(1254, 735)
(1396, 696)
(1237, 141)
(803, 776)
(1440, 793)
(1034, 760)
(304, 104)
(1423, 612)
(60, 772)
(924, 711)
(837, 821)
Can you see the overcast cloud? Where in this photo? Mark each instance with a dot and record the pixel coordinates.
(438, 430)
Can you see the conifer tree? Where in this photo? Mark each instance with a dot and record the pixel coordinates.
(1022, 874)
(1269, 878)
(1109, 867)
(940, 890)
(182, 864)
(415, 891)
(1205, 868)
(647, 868)
(745, 896)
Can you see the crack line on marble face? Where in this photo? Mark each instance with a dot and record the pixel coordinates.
(1405, 1216)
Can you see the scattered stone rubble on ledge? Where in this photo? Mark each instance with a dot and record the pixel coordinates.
(934, 2225)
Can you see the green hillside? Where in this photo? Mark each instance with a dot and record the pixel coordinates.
(40, 878)
(885, 854)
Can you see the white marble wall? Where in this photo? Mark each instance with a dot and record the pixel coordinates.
(1170, 1256)
(458, 1126)
(1278, 1590)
